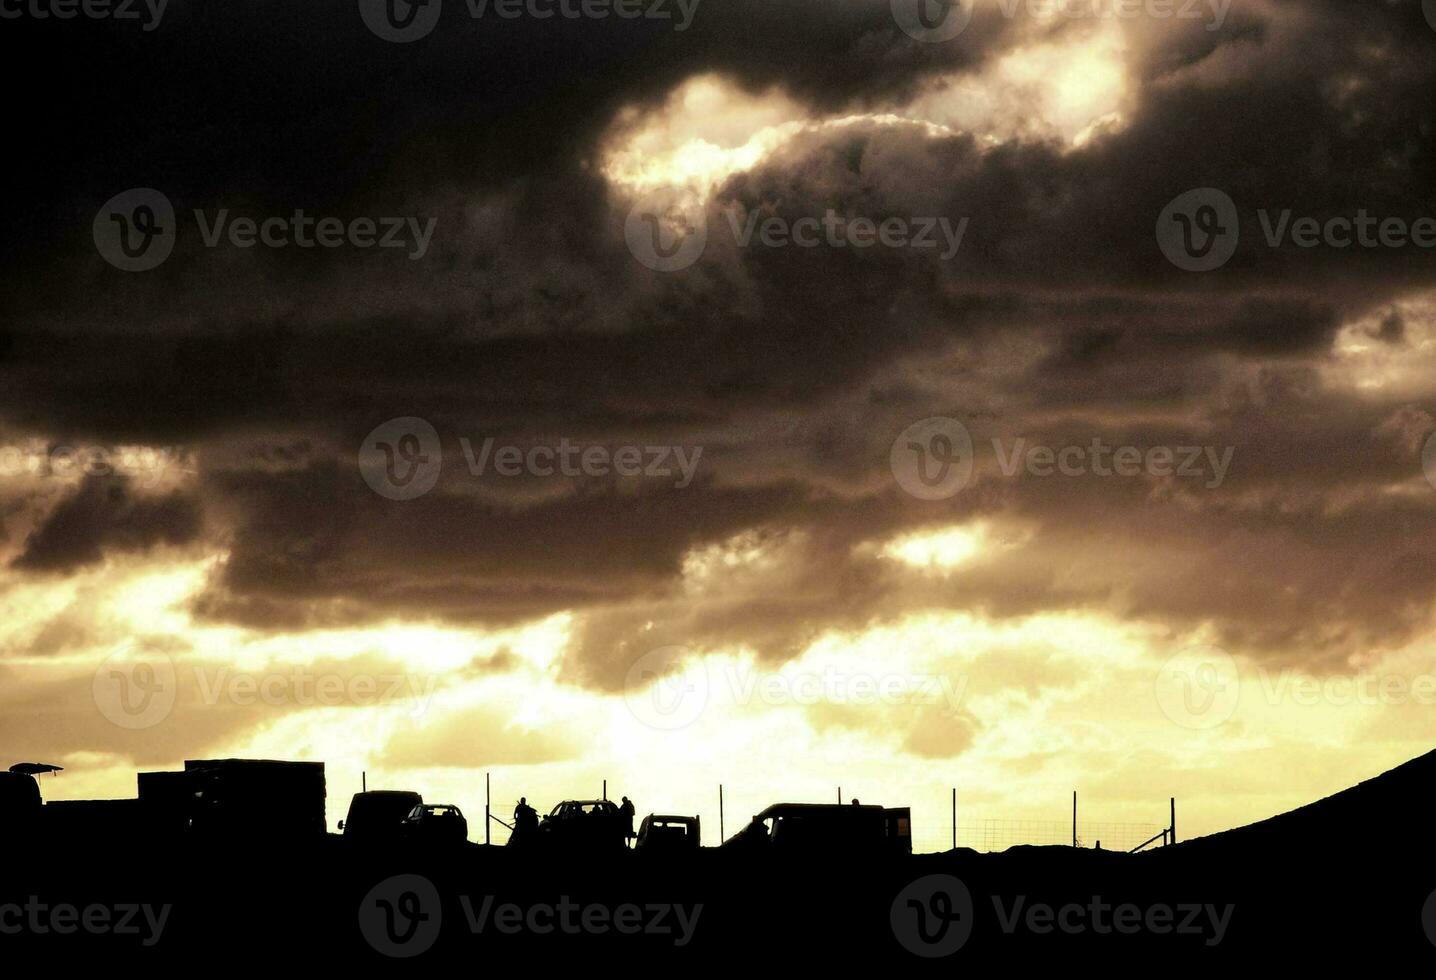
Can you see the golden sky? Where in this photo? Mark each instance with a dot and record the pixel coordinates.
(795, 614)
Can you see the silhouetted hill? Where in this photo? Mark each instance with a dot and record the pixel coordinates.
(1385, 810)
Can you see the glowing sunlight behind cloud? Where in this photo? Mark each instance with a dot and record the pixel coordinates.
(709, 128)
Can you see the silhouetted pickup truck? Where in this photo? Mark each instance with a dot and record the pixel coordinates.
(378, 816)
(667, 834)
(436, 824)
(825, 830)
(588, 825)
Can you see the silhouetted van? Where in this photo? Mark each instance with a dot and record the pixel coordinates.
(436, 824)
(667, 834)
(378, 815)
(826, 830)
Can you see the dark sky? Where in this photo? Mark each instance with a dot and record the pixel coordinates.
(528, 320)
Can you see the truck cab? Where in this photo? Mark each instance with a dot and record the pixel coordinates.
(665, 834)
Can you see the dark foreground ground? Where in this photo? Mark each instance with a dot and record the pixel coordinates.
(1342, 883)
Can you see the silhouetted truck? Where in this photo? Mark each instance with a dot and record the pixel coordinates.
(667, 834)
(20, 805)
(254, 798)
(826, 830)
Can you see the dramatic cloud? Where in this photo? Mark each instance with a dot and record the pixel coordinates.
(1288, 394)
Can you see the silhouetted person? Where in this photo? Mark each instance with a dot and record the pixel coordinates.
(625, 819)
(525, 822)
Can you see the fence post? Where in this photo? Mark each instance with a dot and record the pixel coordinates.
(1174, 819)
(954, 818)
(487, 802)
(720, 813)
(1074, 818)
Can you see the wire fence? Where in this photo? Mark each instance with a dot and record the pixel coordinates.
(998, 834)
(978, 833)
(498, 833)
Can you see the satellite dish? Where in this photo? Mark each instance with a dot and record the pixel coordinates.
(34, 768)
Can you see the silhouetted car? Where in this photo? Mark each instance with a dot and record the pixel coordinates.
(826, 830)
(436, 823)
(584, 825)
(662, 833)
(378, 815)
